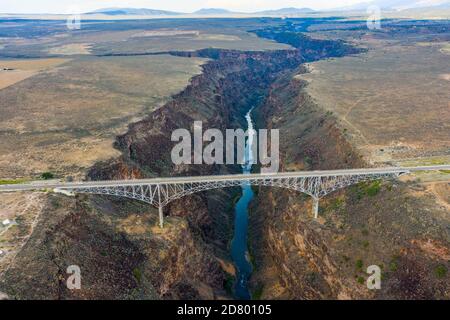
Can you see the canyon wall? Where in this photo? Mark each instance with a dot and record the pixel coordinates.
(383, 223)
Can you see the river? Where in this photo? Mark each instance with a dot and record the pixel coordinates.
(239, 249)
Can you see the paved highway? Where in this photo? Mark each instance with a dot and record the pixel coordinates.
(37, 185)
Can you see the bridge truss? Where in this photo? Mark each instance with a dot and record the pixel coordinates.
(162, 193)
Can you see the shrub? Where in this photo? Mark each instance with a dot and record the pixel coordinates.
(47, 175)
(137, 274)
(373, 188)
(228, 284)
(359, 264)
(257, 294)
(308, 161)
(337, 204)
(393, 265)
(366, 189)
(441, 271)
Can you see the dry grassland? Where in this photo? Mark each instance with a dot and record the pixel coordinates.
(66, 119)
(393, 102)
(23, 69)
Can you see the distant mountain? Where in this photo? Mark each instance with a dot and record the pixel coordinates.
(213, 11)
(204, 11)
(399, 4)
(286, 11)
(134, 11)
(278, 12)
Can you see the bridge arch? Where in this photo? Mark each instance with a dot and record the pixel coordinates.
(161, 194)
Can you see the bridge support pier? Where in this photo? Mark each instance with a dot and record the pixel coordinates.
(161, 217)
(315, 207)
(160, 208)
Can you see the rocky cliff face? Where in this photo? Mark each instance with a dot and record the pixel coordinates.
(219, 97)
(386, 223)
(120, 250)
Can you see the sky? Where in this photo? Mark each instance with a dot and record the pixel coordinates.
(69, 6)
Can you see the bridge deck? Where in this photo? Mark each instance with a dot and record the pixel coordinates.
(219, 178)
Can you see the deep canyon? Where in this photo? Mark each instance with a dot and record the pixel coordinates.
(123, 253)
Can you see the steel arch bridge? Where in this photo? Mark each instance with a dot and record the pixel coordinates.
(159, 192)
(162, 193)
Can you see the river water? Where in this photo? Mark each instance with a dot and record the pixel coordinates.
(239, 249)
